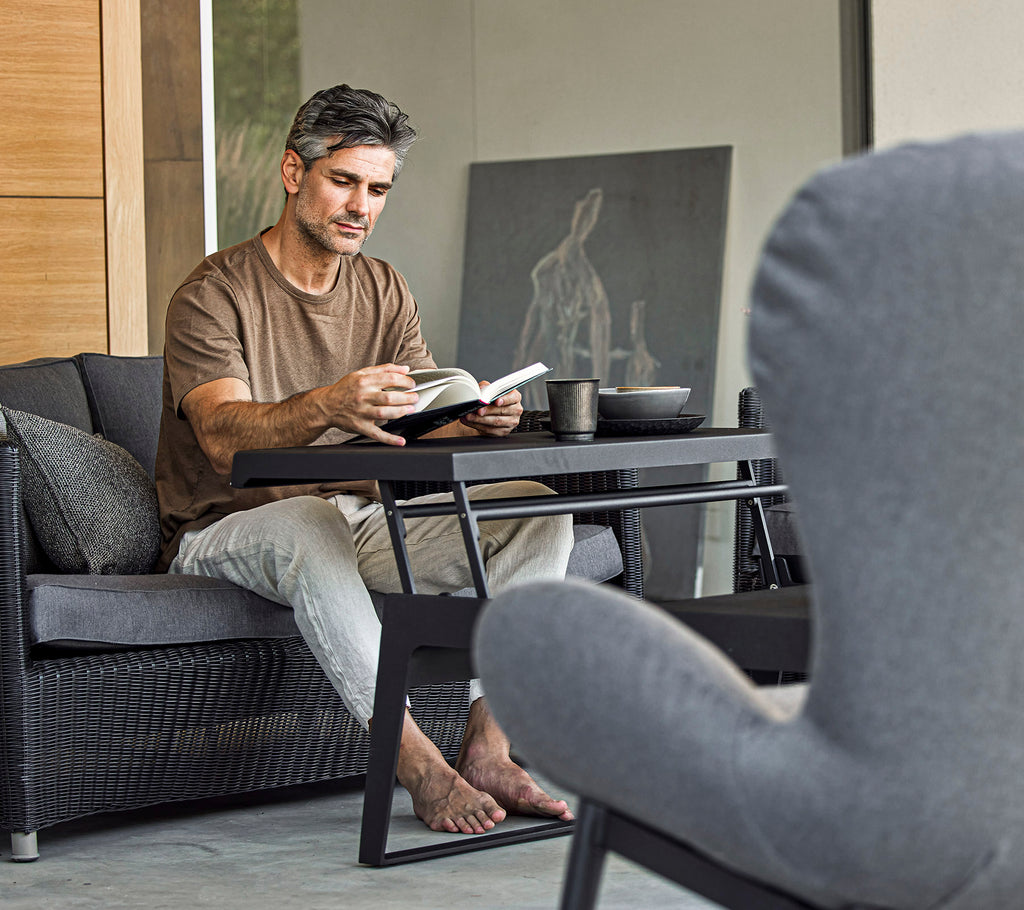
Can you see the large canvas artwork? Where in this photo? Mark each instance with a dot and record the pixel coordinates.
(606, 266)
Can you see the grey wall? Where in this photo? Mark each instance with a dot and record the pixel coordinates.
(492, 80)
(944, 66)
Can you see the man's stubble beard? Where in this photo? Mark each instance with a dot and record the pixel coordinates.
(321, 237)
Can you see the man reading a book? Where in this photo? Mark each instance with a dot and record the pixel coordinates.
(293, 338)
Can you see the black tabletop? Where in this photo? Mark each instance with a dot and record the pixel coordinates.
(484, 458)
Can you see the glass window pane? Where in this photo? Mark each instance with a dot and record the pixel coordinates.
(256, 93)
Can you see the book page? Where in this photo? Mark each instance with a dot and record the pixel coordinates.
(447, 386)
(513, 380)
(452, 394)
(441, 387)
(426, 378)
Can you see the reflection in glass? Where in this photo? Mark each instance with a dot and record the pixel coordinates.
(256, 94)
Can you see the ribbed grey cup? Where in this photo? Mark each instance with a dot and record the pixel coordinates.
(573, 407)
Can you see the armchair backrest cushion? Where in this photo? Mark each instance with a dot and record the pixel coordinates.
(894, 284)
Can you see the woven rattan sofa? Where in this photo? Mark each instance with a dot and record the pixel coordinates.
(125, 689)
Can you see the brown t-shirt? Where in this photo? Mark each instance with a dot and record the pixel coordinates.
(237, 316)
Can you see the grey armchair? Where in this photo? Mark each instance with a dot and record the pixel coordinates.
(893, 283)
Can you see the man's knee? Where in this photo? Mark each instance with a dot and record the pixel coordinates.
(302, 522)
(508, 488)
(551, 532)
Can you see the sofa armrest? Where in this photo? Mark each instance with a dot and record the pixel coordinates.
(13, 637)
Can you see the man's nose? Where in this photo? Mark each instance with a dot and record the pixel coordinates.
(359, 201)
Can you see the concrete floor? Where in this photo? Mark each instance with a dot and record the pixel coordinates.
(294, 848)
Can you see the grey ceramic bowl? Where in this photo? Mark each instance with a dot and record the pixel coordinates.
(641, 404)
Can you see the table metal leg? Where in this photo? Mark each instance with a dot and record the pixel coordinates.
(396, 526)
(471, 538)
(385, 740)
(424, 639)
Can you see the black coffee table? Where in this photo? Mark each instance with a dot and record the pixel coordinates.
(425, 639)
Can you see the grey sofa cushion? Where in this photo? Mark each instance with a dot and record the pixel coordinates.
(595, 556)
(149, 610)
(50, 387)
(125, 397)
(97, 612)
(92, 506)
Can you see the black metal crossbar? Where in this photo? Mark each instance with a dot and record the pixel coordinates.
(641, 497)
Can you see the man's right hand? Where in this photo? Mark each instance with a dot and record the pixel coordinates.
(356, 401)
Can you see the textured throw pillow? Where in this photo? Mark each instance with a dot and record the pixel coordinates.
(92, 506)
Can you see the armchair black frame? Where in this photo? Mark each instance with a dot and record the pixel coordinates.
(600, 829)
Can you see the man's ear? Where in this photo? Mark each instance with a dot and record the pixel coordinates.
(292, 171)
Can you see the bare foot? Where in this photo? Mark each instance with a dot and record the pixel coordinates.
(446, 802)
(512, 788)
(485, 764)
(440, 796)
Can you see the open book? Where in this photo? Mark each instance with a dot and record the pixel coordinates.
(451, 393)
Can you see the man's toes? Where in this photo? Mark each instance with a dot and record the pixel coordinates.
(481, 821)
(558, 808)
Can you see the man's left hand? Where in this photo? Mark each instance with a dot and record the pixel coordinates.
(499, 418)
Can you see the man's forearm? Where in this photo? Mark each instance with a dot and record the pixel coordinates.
(233, 426)
(226, 420)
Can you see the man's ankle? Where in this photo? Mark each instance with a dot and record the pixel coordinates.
(483, 742)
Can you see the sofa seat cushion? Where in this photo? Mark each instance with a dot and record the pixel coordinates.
(95, 612)
(595, 556)
(149, 610)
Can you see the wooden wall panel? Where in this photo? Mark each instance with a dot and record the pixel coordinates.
(127, 318)
(174, 234)
(173, 128)
(53, 297)
(51, 132)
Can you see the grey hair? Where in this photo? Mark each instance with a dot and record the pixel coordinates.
(350, 117)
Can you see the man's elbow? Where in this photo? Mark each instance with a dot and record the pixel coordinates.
(221, 460)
